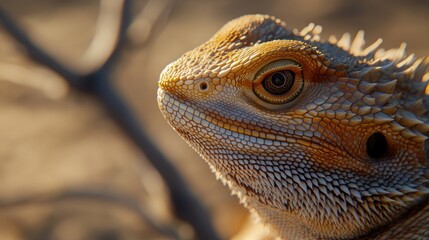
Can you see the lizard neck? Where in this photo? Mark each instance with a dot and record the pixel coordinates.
(408, 226)
(411, 225)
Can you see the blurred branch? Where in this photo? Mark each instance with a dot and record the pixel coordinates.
(35, 52)
(108, 30)
(86, 194)
(154, 14)
(98, 84)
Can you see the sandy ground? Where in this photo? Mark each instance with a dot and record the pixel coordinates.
(54, 140)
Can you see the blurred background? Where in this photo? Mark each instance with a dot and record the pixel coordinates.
(68, 172)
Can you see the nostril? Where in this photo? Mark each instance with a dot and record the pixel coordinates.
(203, 86)
(377, 146)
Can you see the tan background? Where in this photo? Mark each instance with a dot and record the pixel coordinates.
(53, 140)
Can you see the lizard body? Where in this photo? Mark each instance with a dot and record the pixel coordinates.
(321, 139)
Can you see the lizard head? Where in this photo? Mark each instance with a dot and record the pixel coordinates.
(320, 138)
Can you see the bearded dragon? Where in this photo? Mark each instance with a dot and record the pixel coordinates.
(320, 139)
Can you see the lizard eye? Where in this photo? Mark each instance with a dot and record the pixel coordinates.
(279, 82)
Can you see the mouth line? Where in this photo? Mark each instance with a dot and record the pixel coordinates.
(168, 104)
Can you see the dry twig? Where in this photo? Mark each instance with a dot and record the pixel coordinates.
(97, 195)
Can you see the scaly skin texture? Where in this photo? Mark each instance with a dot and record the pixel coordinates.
(335, 147)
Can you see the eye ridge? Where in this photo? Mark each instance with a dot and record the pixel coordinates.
(279, 83)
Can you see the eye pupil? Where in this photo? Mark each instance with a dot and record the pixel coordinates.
(278, 79)
(279, 83)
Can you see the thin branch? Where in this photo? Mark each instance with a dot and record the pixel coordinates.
(187, 207)
(144, 28)
(124, 20)
(106, 35)
(97, 195)
(36, 52)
